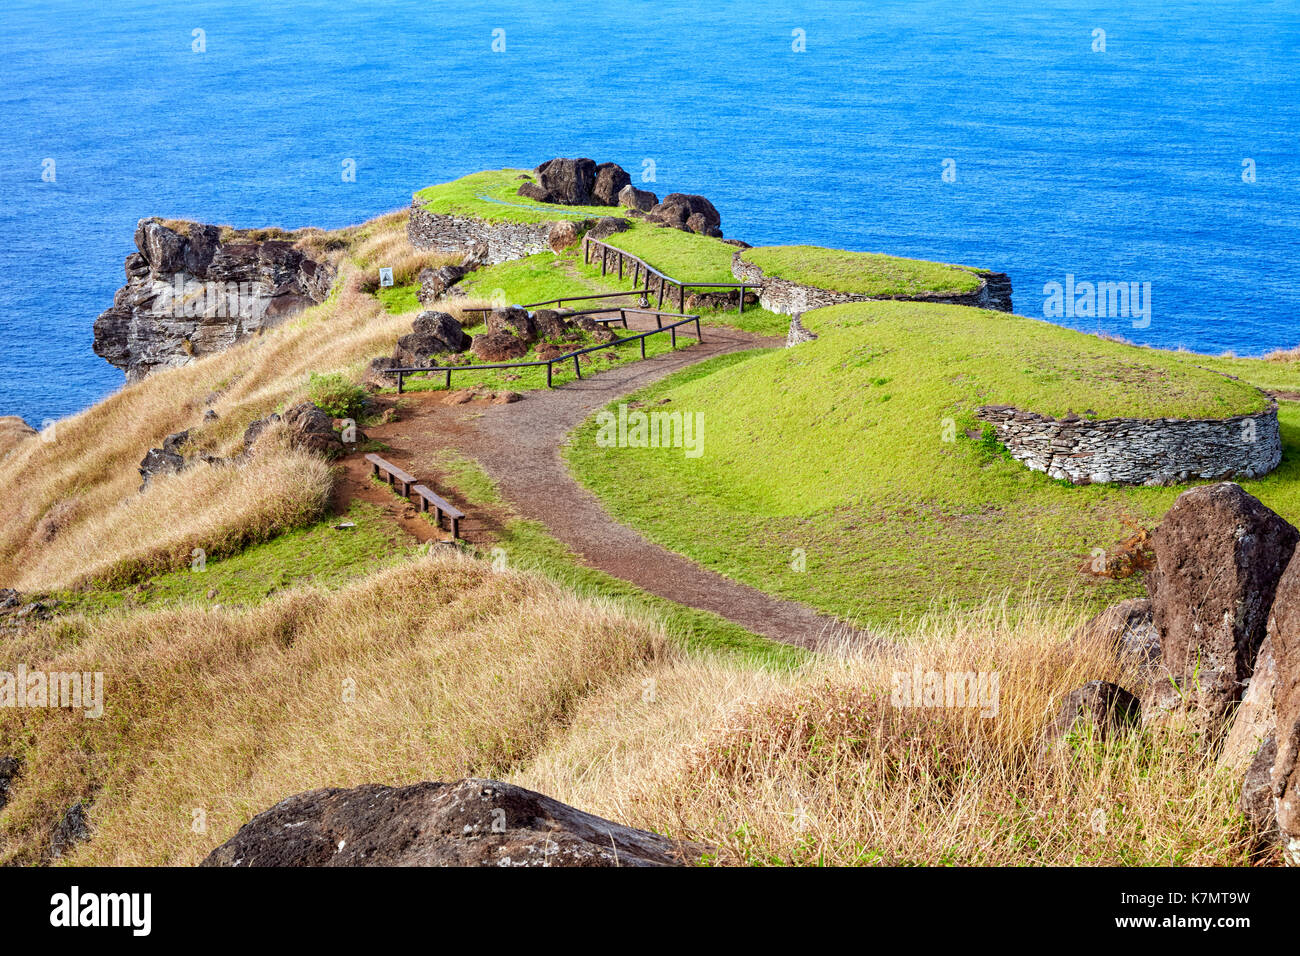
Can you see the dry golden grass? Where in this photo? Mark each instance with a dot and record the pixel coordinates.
(12, 431)
(452, 669)
(216, 509)
(821, 768)
(458, 670)
(88, 472)
(386, 245)
(1284, 355)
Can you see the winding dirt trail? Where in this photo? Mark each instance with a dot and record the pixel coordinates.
(519, 447)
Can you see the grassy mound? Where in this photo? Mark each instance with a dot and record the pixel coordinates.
(493, 196)
(854, 451)
(681, 255)
(861, 273)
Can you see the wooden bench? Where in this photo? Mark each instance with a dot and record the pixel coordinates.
(391, 474)
(440, 507)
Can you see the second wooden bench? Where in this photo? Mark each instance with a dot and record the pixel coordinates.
(440, 507)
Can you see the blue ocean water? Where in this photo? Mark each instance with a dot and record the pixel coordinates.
(1120, 165)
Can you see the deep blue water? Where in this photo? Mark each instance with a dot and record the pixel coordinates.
(1121, 165)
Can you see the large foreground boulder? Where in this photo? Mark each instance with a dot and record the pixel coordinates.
(467, 823)
(1219, 556)
(1284, 637)
(432, 333)
(568, 182)
(608, 225)
(1256, 717)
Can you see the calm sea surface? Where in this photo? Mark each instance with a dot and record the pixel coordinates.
(1117, 165)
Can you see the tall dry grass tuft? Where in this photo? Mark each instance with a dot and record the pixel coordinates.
(217, 510)
(1284, 355)
(91, 458)
(386, 245)
(821, 767)
(435, 669)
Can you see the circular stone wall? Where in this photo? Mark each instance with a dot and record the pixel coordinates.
(1139, 451)
(791, 298)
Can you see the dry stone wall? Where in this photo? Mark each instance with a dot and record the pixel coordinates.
(1138, 451)
(790, 298)
(449, 233)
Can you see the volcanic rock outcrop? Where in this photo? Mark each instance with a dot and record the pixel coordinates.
(466, 823)
(432, 333)
(1219, 556)
(580, 182)
(192, 289)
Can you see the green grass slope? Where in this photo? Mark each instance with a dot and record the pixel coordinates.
(854, 451)
(493, 195)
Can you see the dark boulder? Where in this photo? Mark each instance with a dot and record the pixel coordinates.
(9, 767)
(640, 199)
(607, 226)
(158, 461)
(432, 333)
(467, 823)
(74, 828)
(1284, 637)
(596, 330)
(435, 282)
(312, 429)
(567, 182)
(1128, 628)
(499, 347)
(699, 223)
(1219, 555)
(1098, 707)
(254, 431)
(514, 321)
(173, 442)
(611, 179)
(679, 209)
(550, 324)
